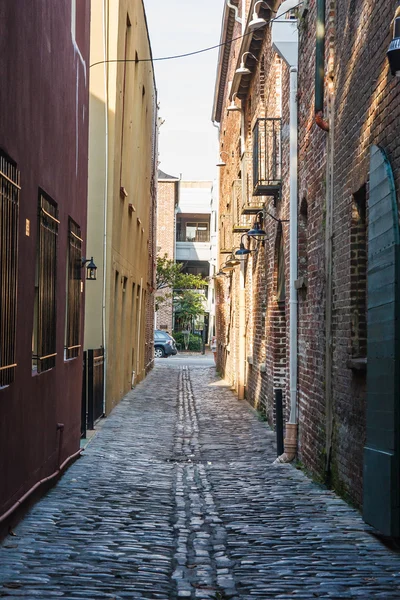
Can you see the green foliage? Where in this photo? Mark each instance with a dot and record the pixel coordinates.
(195, 341)
(189, 306)
(169, 276)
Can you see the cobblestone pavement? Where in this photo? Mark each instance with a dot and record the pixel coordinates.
(177, 497)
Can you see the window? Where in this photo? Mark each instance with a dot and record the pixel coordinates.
(197, 232)
(9, 205)
(44, 325)
(73, 305)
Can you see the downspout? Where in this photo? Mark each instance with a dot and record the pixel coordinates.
(291, 427)
(242, 332)
(104, 292)
(235, 8)
(285, 42)
(320, 66)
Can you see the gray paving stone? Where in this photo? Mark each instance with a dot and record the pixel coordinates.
(177, 497)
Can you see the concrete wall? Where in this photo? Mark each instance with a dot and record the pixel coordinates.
(43, 128)
(122, 208)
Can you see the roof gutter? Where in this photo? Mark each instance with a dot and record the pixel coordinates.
(244, 47)
(320, 66)
(228, 21)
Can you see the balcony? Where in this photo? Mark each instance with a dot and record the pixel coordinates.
(249, 204)
(193, 239)
(193, 236)
(267, 157)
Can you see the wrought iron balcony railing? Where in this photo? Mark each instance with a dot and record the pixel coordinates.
(250, 204)
(267, 157)
(195, 236)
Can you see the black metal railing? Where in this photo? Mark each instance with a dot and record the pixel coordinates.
(251, 204)
(197, 236)
(73, 331)
(92, 388)
(45, 335)
(267, 157)
(9, 209)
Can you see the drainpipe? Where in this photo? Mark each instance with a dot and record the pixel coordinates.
(291, 427)
(285, 43)
(104, 291)
(242, 333)
(235, 8)
(320, 66)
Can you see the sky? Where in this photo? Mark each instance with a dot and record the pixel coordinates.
(188, 142)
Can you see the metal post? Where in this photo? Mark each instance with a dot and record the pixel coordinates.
(90, 394)
(84, 399)
(279, 422)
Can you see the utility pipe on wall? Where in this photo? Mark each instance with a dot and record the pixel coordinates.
(105, 216)
(285, 42)
(293, 245)
(242, 332)
(320, 66)
(235, 8)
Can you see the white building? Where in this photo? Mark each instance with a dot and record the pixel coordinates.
(196, 237)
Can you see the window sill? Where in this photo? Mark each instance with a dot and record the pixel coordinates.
(357, 364)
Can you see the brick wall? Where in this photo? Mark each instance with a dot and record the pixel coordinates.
(362, 105)
(366, 111)
(167, 190)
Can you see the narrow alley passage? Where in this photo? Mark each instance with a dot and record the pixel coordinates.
(177, 497)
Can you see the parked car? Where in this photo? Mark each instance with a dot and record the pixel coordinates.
(164, 344)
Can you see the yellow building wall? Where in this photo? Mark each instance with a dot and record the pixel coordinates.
(131, 98)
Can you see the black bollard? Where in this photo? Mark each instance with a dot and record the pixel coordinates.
(279, 421)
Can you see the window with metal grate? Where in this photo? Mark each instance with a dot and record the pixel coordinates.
(73, 304)
(9, 209)
(45, 305)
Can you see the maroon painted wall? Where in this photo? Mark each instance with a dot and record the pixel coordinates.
(43, 127)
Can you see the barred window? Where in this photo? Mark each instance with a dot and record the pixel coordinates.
(73, 309)
(44, 325)
(9, 208)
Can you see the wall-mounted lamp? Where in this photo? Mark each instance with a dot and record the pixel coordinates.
(242, 252)
(221, 274)
(393, 53)
(221, 162)
(232, 261)
(257, 232)
(91, 269)
(257, 22)
(243, 70)
(226, 267)
(233, 106)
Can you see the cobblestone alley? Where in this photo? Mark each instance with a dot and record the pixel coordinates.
(177, 497)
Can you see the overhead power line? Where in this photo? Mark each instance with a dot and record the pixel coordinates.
(176, 56)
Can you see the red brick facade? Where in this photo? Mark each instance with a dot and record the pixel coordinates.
(361, 107)
(167, 198)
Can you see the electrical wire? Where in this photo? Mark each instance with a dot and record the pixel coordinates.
(162, 58)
